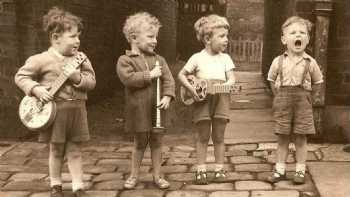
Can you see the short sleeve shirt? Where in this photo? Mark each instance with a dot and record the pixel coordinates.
(293, 72)
(206, 66)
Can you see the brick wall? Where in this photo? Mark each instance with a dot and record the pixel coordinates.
(9, 98)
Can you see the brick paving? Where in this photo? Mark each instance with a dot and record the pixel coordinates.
(24, 171)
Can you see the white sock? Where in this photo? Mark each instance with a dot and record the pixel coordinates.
(219, 167)
(75, 166)
(202, 168)
(281, 168)
(55, 181)
(300, 167)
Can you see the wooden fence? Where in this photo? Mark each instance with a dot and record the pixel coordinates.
(246, 51)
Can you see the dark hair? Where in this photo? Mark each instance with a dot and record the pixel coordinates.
(58, 20)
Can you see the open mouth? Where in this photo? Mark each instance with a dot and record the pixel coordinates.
(297, 43)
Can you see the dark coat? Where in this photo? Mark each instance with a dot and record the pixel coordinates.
(140, 92)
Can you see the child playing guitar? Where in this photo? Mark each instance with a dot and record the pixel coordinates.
(210, 116)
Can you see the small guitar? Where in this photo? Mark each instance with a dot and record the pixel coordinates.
(203, 88)
(35, 114)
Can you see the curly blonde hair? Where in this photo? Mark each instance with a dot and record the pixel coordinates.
(58, 21)
(297, 19)
(135, 23)
(205, 25)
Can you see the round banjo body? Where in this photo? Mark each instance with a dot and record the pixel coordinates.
(36, 115)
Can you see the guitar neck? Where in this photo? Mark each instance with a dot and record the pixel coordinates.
(217, 89)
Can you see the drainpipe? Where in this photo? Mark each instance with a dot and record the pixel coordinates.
(322, 11)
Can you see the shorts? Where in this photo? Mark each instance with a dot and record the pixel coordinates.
(292, 111)
(214, 106)
(70, 123)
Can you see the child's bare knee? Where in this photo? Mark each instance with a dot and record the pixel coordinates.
(57, 150)
(203, 138)
(218, 139)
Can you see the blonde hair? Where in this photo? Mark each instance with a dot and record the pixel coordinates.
(205, 25)
(58, 21)
(134, 23)
(297, 19)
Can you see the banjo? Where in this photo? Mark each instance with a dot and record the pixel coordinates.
(37, 115)
(204, 87)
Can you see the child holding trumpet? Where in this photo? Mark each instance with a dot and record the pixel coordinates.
(139, 69)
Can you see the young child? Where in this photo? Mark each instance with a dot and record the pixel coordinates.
(211, 115)
(138, 70)
(70, 127)
(293, 76)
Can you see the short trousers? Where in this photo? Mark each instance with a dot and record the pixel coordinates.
(292, 111)
(70, 124)
(214, 106)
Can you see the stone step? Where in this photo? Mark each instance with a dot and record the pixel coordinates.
(251, 102)
(254, 94)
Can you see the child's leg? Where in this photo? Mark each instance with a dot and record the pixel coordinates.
(202, 139)
(282, 148)
(55, 163)
(140, 144)
(218, 132)
(74, 158)
(156, 152)
(281, 156)
(301, 152)
(282, 152)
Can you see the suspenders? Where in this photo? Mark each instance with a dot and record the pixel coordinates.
(280, 71)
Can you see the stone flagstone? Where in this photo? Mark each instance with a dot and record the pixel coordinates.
(142, 193)
(181, 177)
(186, 194)
(335, 153)
(230, 194)
(248, 147)
(291, 193)
(253, 167)
(109, 185)
(252, 185)
(289, 185)
(102, 193)
(14, 194)
(26, 186)
(27, 176)
(108, 177)
(245, 159)
(211, 187)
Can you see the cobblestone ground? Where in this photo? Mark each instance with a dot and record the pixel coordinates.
(24, 171)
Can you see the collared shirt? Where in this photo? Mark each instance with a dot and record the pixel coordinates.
(293, 72)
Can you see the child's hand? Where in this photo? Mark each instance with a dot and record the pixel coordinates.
(75, 77)
(164, 102)
(194, 94)
(156, 72)
(72, 73)
(42, 93)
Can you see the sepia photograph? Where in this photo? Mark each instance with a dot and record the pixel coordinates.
(174, 98)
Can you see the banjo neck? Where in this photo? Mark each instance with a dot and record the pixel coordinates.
(56, 85)
(75, 63)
